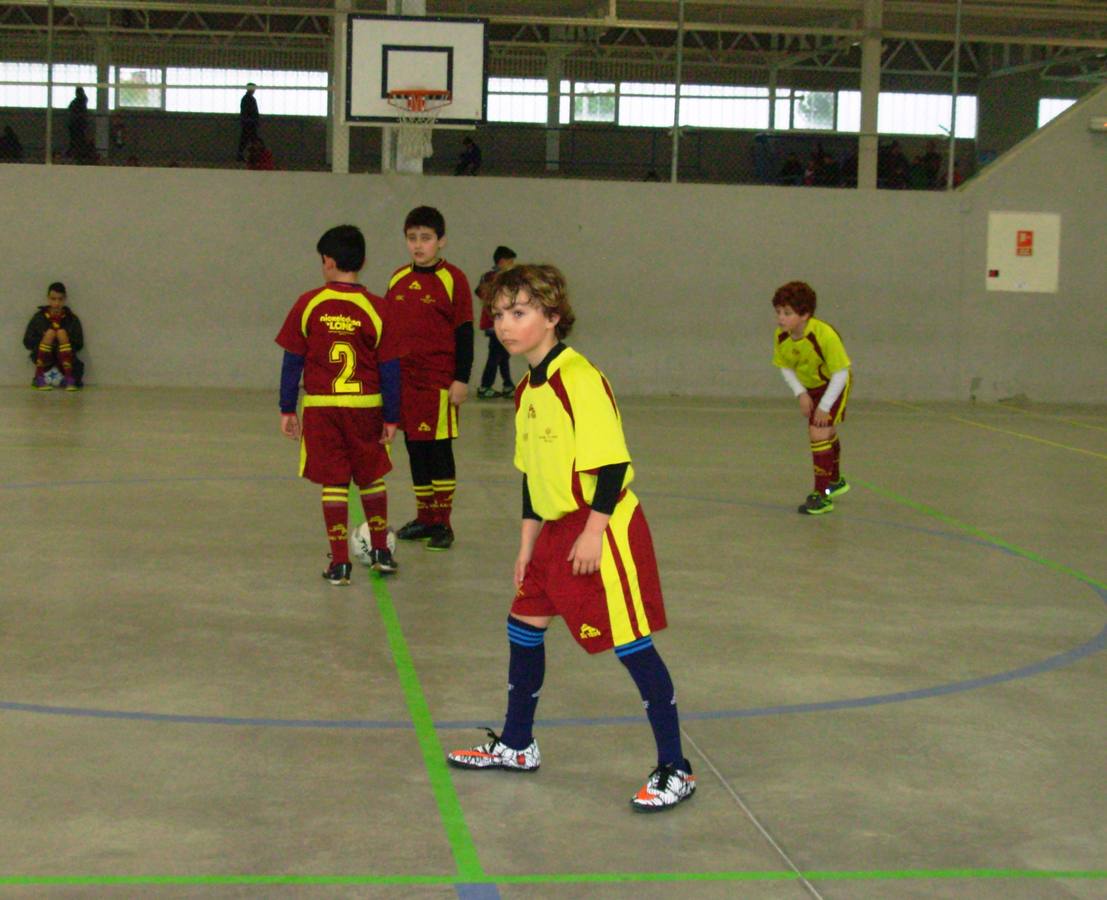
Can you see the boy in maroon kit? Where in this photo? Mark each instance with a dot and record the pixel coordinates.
(431, 302)
(54, 336)
(334, 336)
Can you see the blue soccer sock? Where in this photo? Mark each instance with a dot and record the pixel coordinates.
(648, 670)
(525, 673)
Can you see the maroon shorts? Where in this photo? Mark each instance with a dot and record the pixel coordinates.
(341, 445)
(426, 414)
(837, 411)
(615, 606)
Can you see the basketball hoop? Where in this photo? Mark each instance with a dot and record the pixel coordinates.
(418, 111)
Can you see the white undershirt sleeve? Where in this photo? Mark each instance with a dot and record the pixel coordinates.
(793, 381)
(834, 389)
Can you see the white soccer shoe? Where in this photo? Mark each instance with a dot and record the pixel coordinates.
(665, 788)
(497, 755)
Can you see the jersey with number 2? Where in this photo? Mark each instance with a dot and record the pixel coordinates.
(339, 332)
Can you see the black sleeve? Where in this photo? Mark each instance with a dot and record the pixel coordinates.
(609, 482)
(463, 352)
(34, 333)
(76, 332)
(528, 510)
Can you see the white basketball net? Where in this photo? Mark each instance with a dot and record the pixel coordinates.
(415, 122)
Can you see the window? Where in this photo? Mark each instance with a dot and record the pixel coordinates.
(280, 93)
(1049, 108)
(517, 100)
(593, 101)
(646, 104)
(136, 89)
(24, 84)
(910, 113)
(724, 106)
(813, 110)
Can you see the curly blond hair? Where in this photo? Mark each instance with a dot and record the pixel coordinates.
(545, 288)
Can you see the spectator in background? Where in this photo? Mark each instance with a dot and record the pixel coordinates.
(248, 118)
(81, 147)
(258, 157)
(892, 167)
(791, 172)
(469, 161)
(11, 150)
(931, 162)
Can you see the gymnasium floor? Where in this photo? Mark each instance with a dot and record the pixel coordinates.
(902, 699)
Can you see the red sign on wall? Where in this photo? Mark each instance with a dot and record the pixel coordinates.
(1024, 243)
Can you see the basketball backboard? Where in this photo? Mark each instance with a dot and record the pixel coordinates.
(389, 53)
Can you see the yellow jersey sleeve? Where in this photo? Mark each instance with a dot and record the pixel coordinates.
(598, 426)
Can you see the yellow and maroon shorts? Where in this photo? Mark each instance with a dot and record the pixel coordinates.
(343, 444)
(837, 411)
(616, 605)
(426, 414)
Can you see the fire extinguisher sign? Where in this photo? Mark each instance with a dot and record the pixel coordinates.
(1024, 243)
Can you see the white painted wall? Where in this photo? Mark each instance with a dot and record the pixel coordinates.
(182, 277)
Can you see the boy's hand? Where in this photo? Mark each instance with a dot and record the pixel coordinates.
(586, 552)
(388, 433)
(459, 393)
(521, 562)
(290, 426)
(806, 404)
(820, 418)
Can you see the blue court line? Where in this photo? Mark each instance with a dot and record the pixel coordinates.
(1057, 661)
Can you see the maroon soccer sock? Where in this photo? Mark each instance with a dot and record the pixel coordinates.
(65, 358)
(42, 358)
(836, 474)
(335, 517)
(424, 503)
(443, 500)
(822, 459)
(374, 503)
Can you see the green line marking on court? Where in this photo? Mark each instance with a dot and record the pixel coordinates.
(570, 878)
(449, 807)
(1019, 434)
(980, 533)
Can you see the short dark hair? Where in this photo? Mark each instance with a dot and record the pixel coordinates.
(58, 287)
(426, 217)
(546, 288)
(345, 244)
(797, 294)
(502, 252)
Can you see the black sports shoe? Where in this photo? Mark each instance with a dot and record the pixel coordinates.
(415, 531)
(816, 504)
(338, 573)
(382, 561)
(441, 537)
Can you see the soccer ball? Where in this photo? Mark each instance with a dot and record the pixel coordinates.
(53, 377)
(360, 544)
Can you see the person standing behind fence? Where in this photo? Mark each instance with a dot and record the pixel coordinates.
(80, 147)
(498, 358)
(248, 118)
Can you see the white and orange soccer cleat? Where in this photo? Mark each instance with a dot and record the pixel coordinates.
(497, 755)
(665, 788)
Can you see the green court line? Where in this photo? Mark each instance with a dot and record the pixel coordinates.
(980, 533)
(1019, 434)
(449, 807)
(570, 878)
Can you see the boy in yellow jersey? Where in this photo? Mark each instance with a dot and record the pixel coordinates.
(813, 361)
(585, 551)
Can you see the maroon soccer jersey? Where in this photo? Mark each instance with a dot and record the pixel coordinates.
(428, 304)
(338, 330)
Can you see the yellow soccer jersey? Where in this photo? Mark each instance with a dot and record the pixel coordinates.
(814, 357)
(565, 429)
